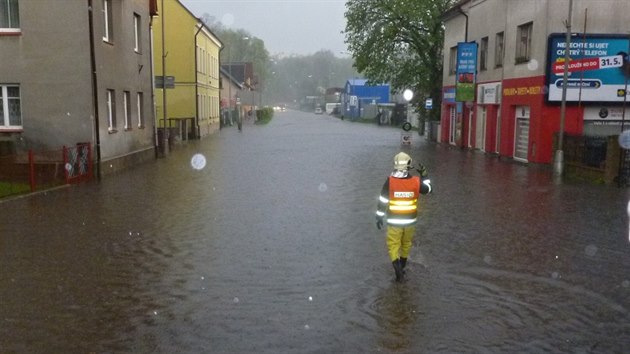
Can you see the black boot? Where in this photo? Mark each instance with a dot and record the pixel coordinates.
(398, 270)
(403, 263)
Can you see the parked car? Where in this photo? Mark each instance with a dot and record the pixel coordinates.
(318, 110)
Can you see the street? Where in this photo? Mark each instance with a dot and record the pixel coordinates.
(264, 241)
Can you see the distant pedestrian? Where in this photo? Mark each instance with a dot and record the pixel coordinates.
(379, 116)
(398, 206)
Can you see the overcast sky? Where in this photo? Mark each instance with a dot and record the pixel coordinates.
(287, 27)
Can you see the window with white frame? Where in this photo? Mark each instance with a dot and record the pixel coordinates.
(137, 31)
(108, 31)
(10, 107)
(127, 109)
(452, 61)
(140, 109)
(524, 42)
(498, 50)
(111, 110)
(9, 16)
(483, 54)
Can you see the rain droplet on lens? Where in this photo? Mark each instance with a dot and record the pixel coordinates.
(487, 259)
(323, 187)
(555, 275)
(532, 65)
(198, 161)
(307, 327)
(236, 300)
(310, 298)
(590, 250)
(625, 283)
(545, 90)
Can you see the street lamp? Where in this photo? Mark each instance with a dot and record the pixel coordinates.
(559, 158)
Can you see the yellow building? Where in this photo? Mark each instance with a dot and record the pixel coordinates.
(186, 53)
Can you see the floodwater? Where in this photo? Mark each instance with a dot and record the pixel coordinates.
(271, 247)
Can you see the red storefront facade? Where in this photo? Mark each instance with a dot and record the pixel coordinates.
(518, 124)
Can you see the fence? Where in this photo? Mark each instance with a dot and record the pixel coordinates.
(40, 170)
(592, 157)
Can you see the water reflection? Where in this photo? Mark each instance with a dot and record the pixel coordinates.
(172, 256)
(396, 312)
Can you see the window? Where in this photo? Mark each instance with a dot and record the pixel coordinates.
(9, 16)
(498, 50)
(452, 61)
(10, 107)
(483, 54)
(137, 31)
(140, 110)
(127, 109)
(111, 111)
(108, 34)
(524, 43)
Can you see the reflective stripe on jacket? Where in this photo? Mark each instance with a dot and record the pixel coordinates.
(403, 200)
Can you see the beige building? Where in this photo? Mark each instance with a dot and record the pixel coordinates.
(83, 79)
(511, 75)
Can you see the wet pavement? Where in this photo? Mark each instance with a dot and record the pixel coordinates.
(271, 247)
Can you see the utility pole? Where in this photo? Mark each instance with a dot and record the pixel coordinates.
(558, 165)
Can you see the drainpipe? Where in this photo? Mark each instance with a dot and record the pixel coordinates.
(97, 138)
(165, 131)
(197, 83)
(153, 105)
(463, 105)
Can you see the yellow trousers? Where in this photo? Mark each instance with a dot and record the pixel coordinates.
(399, 241)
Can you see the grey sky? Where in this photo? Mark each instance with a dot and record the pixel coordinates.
(286, 26)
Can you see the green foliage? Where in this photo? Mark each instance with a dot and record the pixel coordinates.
(264, 115)
(399, 42)
(7, 189)
(296, 77)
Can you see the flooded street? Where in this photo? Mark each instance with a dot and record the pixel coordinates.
(271, 247)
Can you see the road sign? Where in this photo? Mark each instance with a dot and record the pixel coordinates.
(405, 138)
(169, 83)
(428, 104)
(624, 139)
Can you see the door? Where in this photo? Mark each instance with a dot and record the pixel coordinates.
(480, 133)
(453, 126)
(521, 134)
(470, 125)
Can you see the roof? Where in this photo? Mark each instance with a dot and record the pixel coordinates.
(455, 10)
(232, 79)
(357, 82)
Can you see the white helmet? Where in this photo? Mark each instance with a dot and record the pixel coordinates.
(402, 162)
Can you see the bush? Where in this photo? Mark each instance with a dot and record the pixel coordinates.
(264, 115)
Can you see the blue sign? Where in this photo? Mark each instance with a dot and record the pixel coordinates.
(598, 67)
(428, 104)
(466, 71)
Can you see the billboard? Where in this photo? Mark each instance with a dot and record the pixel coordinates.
(466, 69)
(598, 67)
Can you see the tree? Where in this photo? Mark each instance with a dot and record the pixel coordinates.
(399, 42)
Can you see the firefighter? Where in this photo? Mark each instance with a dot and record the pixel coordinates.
(398, 207)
